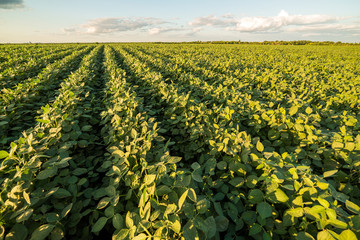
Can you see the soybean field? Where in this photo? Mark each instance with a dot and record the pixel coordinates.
(179, 141)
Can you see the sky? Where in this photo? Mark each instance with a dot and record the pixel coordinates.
(55, 21)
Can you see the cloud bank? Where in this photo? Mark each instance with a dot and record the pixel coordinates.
(260, 24)
(227, 24)
(11, 4)
(113, 25)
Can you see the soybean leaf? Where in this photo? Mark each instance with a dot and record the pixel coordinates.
(141, 236)
(57, 234)
(293, 110)
(3, 154)
(100, 223)
(255, 229)
(210, 222)
(324, 235)
(25, 215)
(192, 194)
(26, 197)
(259, 146)
(120, 235)
(347, 235)
(17, 232)
(182, 198)
(189, 231)
(42, 232)
(264, 209)
(304, 236)
(66, 210)
(352, 207)
(118, 221)
(222, 223)
(329, 173)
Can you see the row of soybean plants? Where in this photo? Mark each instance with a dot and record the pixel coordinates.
(138, 171)
(272, 69)
(19, 105)
(16, 54)
(46, 172)
(10, 57)
(336, 128)
(15, 74)
(255, 116)
(329, 123)
(212, 134)
(78, 175)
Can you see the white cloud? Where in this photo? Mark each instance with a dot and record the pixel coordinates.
(222, 27)
(112, 25)
(11, 4)
(211, 20)
(261, 24)
(154, 31)
(158, 30)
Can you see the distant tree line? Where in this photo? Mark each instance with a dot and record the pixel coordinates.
(298, 42)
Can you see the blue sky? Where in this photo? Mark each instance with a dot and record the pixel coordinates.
(160, 20)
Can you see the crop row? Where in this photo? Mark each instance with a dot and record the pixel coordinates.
(20, 56)
(19, 105)
(19, 73)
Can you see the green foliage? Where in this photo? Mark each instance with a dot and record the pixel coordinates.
(148, 141)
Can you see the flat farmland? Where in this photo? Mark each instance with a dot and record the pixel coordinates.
(179, 141)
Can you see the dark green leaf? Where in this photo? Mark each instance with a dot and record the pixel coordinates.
(118, 221)
(52, 217)
(189, 231)
(49, 172)
(57, 234)
(222, 223)
(66, 210)
(264, 209)
(62, 193)
(255, 229)
(256, 196)
(202, 206)
(42, 232)
(25, 215)
(210, 222)
(100, 223)
(17, 232)
(162, 190)
(304, 236)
